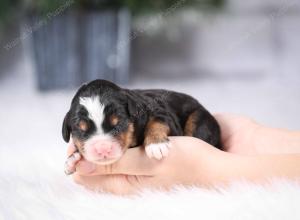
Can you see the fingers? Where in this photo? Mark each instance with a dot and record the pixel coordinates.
(133, 162)
(116, 184)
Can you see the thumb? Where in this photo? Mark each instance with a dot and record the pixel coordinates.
(133, 162)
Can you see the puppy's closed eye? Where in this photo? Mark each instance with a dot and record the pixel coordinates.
(83, 125)
(114, 120)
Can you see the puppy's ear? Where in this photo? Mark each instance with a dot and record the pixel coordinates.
(132, 108)
(135, 106)
(66, 129)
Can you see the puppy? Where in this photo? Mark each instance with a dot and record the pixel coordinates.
(104, 120)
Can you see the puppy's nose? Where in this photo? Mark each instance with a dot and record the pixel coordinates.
(103, 149)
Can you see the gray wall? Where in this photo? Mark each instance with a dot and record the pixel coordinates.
(246, 39)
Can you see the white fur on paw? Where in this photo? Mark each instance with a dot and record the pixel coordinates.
(158, 150)
(71, 162)
(69, 170)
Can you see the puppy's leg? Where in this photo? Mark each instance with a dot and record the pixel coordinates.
(202, 124)
(156, 140)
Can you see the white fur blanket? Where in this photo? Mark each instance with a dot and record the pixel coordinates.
(32, 153)
(33, 186)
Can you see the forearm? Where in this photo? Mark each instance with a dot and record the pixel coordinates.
(258, 169)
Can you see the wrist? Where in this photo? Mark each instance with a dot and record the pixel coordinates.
(275, 141)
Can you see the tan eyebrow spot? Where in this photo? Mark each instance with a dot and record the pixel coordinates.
(114, 120)
(83, 125)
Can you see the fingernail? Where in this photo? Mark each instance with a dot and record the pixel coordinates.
(86, 167)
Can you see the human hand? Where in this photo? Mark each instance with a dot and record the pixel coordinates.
(190, 162)
(194, 162)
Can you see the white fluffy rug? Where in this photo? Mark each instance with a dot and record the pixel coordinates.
(33, 186)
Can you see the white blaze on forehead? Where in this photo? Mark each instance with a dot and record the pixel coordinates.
(95, 109)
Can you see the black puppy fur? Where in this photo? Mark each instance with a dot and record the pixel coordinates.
(141, 116)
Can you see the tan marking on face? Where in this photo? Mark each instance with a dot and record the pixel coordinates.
(127, 138)
(79, 145)
(83, 126)
(156, 132)
(190, 124)
(114, 120)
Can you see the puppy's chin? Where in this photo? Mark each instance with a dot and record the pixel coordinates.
(106, 161)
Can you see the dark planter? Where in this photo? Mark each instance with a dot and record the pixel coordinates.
(10, 51)
(76, 47)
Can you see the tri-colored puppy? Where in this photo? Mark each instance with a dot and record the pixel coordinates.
(104, 120)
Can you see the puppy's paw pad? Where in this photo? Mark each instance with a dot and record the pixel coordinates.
(158, 150)
(71, 163)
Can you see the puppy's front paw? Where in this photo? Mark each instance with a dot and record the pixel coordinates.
(71, 163)
(158, 150)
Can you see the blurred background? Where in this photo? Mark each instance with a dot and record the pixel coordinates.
(232, 55)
